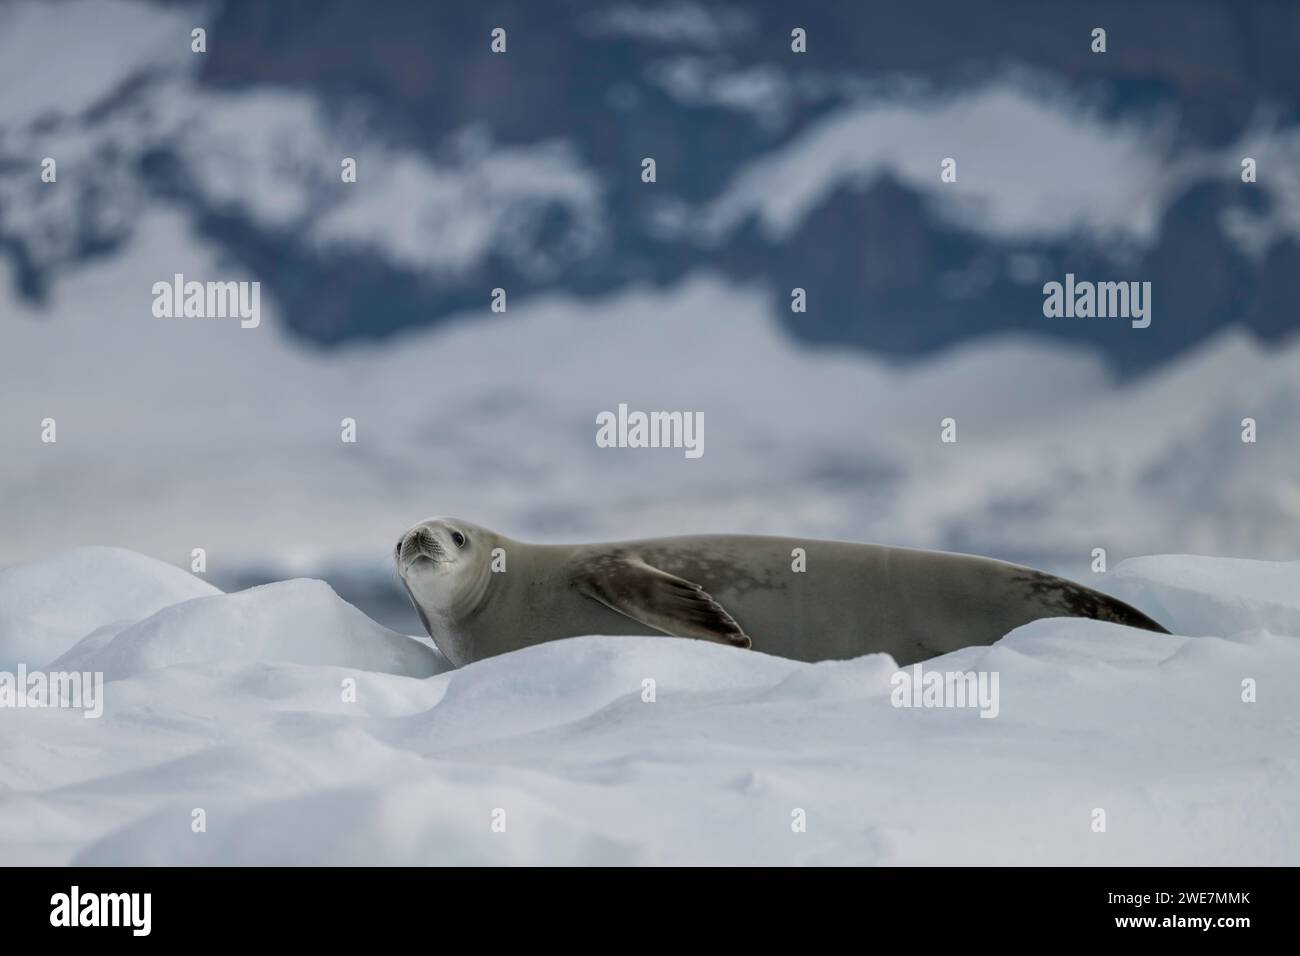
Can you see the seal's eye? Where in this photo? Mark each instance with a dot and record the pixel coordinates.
(458, 538)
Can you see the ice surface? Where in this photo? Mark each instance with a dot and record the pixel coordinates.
(1197, 595)
(237, 706)
(48, 606)
(300, 621)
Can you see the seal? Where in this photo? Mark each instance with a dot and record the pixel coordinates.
(480, 593)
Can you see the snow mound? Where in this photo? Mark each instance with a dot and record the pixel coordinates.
(280, 726)
(1196, 595)
(49, 605)
(300, 621)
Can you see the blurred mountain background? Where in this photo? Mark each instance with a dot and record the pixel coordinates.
(817, 170)
(522, 171)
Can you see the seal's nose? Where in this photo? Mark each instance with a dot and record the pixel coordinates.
(419, 542)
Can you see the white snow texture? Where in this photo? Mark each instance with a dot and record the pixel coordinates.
(235, 705)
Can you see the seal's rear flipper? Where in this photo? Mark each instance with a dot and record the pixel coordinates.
(662, 601)
(1068, 599)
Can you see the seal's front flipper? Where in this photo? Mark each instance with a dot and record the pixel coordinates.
(662, 601)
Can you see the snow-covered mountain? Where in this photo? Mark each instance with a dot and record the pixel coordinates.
(522, 170)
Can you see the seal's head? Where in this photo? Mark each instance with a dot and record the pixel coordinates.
(444, 563)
